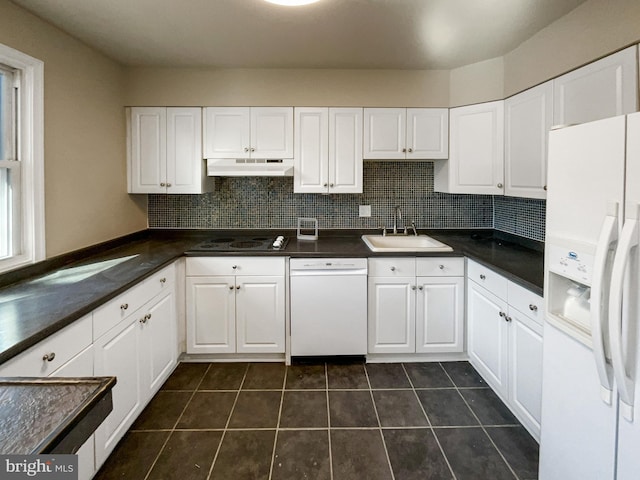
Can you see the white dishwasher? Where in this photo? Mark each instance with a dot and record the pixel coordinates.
(328, 306)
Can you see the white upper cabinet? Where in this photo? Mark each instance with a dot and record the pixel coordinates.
(528, 119)
(248, 132)
(328, 150)
(164, 150)
(606, 88)
(476, 159)
(405, 133)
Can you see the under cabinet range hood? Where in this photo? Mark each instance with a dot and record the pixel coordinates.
(249, 167)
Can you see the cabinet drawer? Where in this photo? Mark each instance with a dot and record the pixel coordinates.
(440, 267)
(392, 267)
(110, 314)
(206, 266)
(526, 302)
(487, 278)
(62, 346)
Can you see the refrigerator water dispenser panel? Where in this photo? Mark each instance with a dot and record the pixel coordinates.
(571, 263)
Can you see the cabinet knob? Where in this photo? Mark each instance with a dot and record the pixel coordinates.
(502, 314)
(545, 188)
(253, 149)
(421, 287)
(482, 277)
(331, 185)
(163, 280)
(237, 287)
(413, 287)
(246, 149)
(146, 318)
(441, 267)
(410, 150)
(231, 287)
(499, 185)
(533, 308)
(404, 150)
(508, 319)
(235, 267)
(325, 185)
(393, 269)
(124, 306)
(168, 184)
(48, 357)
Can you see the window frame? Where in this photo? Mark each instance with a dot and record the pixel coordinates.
(30, 154)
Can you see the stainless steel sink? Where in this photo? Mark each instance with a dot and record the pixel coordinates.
(402, 243)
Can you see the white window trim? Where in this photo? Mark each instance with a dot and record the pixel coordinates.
(31, 154)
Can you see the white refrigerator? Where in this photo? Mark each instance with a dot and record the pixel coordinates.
(590, 426)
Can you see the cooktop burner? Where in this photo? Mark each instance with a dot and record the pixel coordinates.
(230, 244)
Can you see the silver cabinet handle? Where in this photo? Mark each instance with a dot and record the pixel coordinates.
(533, 308)
(168, 184)
(253, 149)
(393, 269)
(441, 267)
(413, 287)
(404, 150)
(48, 357)
(246, 149)
(162, 184)
(124, 306)
(508, 319)
(231, 287)
(163, 280)
(502, 314)
(325, 184)
(331, 185)
(235, 267)
(410, 150)
(482, 277)
(499, 185)
(545, 188)
(421, 287)
(146, 318)
(237, 287)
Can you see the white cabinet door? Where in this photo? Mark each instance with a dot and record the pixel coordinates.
(260, 314)
(384, 133)
(227, 132)
(185, 166)
(476, 155)
(345, 150)
(311, 146)
(147, 154)
(440, 315)
(427, 133)
(159, 339)
(525, 361)
(602, 89)
(488, 336)
(528, 119)
(391, 314)
(271, 132)
(211, 314)
(117, 353)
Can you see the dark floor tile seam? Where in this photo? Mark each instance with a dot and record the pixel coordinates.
(452, 388)
(326, 377)
(226, 427)
(515, 475)
(453, 475)
(375, 409)
(177, 421)
(275, 438)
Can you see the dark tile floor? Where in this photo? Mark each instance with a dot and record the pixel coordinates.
(334, 421)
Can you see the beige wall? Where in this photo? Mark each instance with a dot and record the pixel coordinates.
(594, 29)
(85, 162)
(271, 87)
(478, 82)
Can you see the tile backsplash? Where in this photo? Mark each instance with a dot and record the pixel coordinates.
(269, 202)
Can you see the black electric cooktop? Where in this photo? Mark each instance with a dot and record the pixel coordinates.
(242, 243)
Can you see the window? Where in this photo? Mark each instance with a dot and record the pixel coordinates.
(21, 159)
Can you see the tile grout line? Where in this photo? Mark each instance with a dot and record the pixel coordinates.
(275, 439)
(483, 427)
(429, 421)
(326, 375)
(226, 427)
(375, 409)
(176, 422)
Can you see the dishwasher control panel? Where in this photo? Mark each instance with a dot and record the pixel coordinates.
(328, 264)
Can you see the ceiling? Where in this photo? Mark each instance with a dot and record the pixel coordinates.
(376, 34)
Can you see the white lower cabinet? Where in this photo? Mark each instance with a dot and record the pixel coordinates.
(505, 325)
(416, 305)
(235, 305)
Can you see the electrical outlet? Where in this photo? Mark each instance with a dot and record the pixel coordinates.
(365, 210)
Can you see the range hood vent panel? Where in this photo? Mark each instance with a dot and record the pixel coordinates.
(249, 167)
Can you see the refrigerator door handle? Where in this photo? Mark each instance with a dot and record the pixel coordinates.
(626, 387)
(598, 306)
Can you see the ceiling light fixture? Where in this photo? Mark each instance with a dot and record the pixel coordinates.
(292, 3)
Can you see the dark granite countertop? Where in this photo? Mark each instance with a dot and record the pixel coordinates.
(51, 415)
(39, 300)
